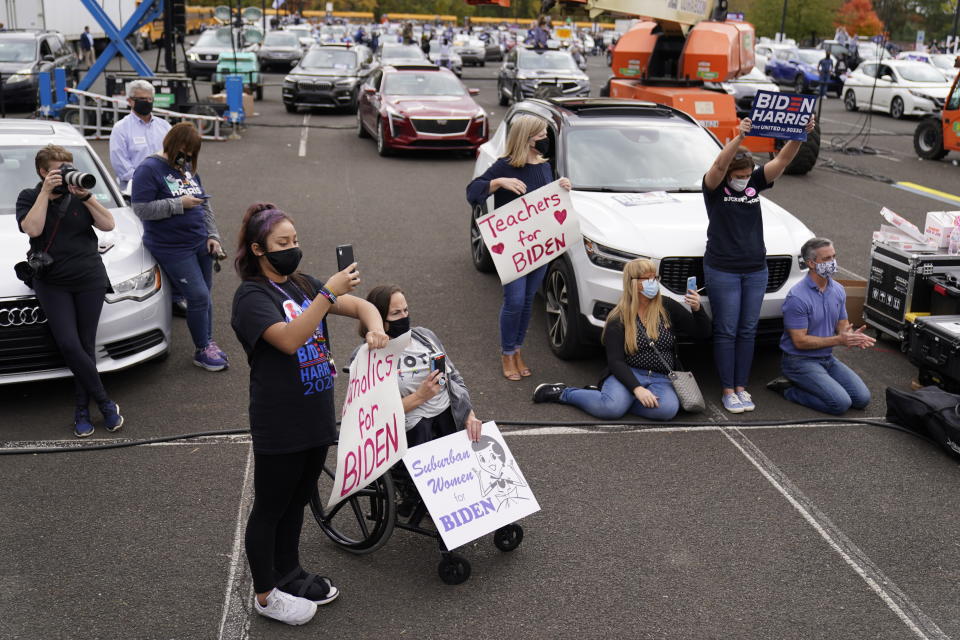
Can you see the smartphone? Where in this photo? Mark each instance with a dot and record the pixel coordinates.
(439, 363)
(692, 283)
(344, 256)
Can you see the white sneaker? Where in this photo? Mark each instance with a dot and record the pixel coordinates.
(286, 608)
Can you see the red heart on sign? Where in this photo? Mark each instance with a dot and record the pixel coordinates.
(560, 215)
(497, 248)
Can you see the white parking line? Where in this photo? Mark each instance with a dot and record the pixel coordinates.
(857, 126)
(303, 135)
(238, 596)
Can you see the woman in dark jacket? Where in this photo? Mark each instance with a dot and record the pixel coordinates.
(635, 380)
(521, 171)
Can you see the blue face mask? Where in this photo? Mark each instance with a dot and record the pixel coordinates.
(651, 288)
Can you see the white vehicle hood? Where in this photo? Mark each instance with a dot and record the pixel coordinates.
(674, 228)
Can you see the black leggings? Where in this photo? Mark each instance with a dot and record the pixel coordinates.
(282, 486)
(73, 318)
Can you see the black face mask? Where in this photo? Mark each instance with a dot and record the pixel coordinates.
(180, 160)
(543, 146)
(142, 107)
(399, 327)
(285, 262)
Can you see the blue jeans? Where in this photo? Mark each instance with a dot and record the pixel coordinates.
(824, 384)
(517, 307)
(735, 301)
(194, 279)
(614, 400)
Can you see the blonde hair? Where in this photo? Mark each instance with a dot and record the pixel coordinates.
(628, 307)
(522, 128)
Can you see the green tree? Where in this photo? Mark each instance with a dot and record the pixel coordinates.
(804, 19)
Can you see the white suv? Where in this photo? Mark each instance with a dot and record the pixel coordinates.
(636, 169)
(135, 321)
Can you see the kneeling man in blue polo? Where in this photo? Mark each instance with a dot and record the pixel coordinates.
(814, 322)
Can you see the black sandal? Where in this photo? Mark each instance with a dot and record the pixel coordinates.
(313, 587)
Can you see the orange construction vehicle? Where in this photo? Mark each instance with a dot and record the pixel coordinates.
(673, 49)
(938, 135)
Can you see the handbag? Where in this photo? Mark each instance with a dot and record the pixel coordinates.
(684, 384)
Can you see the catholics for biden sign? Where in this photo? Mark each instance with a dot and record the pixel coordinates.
(781, 115)
(470, 488)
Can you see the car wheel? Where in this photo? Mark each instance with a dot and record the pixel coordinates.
(206, 127)
(563, 311)
(483, 64)
(504, 100)
(896, 108)
(850, 100)
(515, 94)
(928, 139)
(482, 261)
(382, 147)
(259, 92)
(806, 158)
(290, 107)
(361, 131)
(800, 83)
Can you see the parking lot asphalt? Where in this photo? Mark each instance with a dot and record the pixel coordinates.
(723, 532)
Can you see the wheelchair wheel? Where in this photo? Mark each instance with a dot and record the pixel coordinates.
(363, 522)
(508, 538)
(454, 569)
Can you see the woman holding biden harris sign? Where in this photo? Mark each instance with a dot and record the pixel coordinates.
(735, 261)
(523, 169)
(279, 316)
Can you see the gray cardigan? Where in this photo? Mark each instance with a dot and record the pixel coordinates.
(169, 207)
(460, 404)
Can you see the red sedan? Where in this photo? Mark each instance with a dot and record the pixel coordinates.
(419, 107)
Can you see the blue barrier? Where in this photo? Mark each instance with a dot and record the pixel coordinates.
(46, 95)
(233, 84)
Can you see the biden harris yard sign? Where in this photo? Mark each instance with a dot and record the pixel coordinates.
(530, 231)
(470, 488)
(781, 115)
(373, 436)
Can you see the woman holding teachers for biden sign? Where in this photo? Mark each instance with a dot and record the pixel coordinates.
(735, 261)
(523, 169)
(636, 378)
(279, 316)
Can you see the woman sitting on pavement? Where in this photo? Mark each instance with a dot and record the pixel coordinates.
(635, 380)
(522, 170)
(180, 231)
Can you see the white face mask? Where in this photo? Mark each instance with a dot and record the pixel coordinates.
(738, 184)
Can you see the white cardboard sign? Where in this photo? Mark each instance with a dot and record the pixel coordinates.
(373, 434)
(470, 488)
(530, 231)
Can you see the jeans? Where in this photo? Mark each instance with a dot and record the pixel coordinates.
(194, 279)
(614, 400)
(517, 307)
(824, 384)
(735, 301)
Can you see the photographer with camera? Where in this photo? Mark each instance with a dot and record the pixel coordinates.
(65, 270)
(181, 232)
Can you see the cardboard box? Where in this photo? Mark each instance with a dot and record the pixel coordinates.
(247, 102)
(938, 227)
(856, 298)
(905, 226)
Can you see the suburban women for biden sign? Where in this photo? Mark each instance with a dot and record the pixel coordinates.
(372, 428)
(781, 115)
(470, 488)
(530, 231)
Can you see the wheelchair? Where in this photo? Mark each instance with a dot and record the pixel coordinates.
(363, 522)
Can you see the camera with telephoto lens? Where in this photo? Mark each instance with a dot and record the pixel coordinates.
(73, 177)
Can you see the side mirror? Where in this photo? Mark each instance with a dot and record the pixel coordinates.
(887, 77)
(364, 66)
(369, 90)
(509, 65)
(473, 92)
(48, 58)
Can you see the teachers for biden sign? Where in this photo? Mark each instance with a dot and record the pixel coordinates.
(530, 231)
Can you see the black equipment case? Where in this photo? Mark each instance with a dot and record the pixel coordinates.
(899, 284)
(935, 349)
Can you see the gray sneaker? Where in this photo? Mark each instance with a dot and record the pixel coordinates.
(286, 608)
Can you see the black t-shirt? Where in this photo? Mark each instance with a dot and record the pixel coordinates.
(735, 232)
(291, 396)
(76, 262)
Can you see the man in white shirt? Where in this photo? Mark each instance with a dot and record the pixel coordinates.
(138, 134)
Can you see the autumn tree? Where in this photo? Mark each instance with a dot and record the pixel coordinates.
(858, 16)
(805, 19)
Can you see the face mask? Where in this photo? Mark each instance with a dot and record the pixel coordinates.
(826, 269)
(738, 184)
(285, 262)
(542, 146)
(651, 288)
(180, 160)
(142, 107)
(399, 327)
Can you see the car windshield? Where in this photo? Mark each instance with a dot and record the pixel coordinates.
(214, 38)
(870, 51)
(427, 83)
(811, 56)
(547, 61)
(280, 39)
(18, 50)
(17, 172)
(943, 61)
(402, 53)
(329, 59)
(633, 158)
(921, 73)
(755, 75)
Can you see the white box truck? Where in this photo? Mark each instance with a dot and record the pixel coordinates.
(69, 17)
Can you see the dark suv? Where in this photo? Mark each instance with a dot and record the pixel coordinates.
(328, 76)
(23, 55)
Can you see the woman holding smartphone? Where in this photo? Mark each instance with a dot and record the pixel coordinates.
(180, 231)
(279, 316)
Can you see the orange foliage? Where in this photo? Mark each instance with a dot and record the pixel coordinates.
(859, 18)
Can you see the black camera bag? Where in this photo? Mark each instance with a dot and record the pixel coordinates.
(37, 261)
(930, 411)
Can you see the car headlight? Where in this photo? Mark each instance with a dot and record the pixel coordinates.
(345, 82)
(606, 257)
(192, 57)
(920, 94)
(21, 76)
(139, 287)
(289, 83)
(395, 116)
